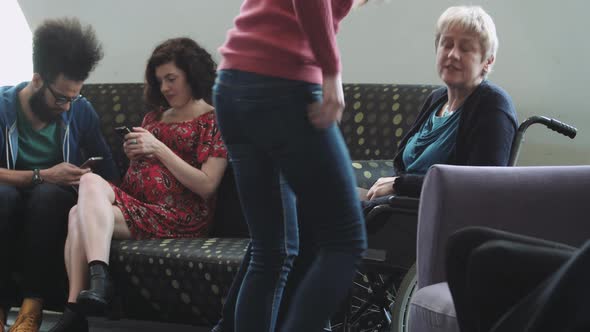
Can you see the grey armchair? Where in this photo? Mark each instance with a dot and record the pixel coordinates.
(546, 202)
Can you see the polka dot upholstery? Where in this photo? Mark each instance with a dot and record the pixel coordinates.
(186, 280)
(377, 116)
(375, 119)
(117, 105)
(176, 280)
(368, 171)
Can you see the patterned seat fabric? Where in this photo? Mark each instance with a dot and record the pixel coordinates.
(375, 119)
(117, 105)
(175, 280)
(185, 280)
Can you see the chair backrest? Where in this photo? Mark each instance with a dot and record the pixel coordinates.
(117, 105)
(374, 121)
(377, 116)
(549, 202)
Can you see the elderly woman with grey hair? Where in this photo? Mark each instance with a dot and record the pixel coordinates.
(470, 121)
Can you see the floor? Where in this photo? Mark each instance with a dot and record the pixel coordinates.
(104, 325)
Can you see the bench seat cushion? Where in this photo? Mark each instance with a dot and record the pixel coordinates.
(176, 280)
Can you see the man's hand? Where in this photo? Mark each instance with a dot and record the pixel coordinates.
(383, 186)
(324, 114)
(64, 174)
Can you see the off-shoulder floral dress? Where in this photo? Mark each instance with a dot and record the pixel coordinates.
(154, 203)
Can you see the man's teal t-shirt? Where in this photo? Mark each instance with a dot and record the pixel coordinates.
(36, 148)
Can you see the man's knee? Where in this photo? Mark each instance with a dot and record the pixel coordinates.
(9, 195)
(49, 204)
(48, 195)
(10, 212)
(10, 201)
(45, 190)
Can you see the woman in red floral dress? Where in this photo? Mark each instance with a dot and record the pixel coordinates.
(177, 162)
(154, 203)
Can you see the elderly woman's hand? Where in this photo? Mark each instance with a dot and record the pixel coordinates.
(383, 186)
(141, 143)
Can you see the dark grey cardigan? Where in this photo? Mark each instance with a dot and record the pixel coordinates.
(486, 129)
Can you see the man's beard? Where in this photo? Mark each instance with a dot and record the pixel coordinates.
(41, 109)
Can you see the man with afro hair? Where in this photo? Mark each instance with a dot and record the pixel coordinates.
(47, 130)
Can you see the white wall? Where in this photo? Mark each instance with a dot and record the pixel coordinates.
(130, 29)
(542, 59)
(15, 57)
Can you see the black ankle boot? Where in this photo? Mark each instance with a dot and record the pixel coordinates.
(71, 321)
(95, 300)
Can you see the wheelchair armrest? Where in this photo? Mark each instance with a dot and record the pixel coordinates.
(404, 204)
(395, 205)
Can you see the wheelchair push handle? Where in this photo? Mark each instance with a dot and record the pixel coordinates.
(563, 128)
(553, 124)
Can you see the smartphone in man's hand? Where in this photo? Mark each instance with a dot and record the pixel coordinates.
(91, 162)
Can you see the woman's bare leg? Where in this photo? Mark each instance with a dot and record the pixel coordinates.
(98, 217)
(75, 257)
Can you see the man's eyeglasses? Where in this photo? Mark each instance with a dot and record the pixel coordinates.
(61, 99)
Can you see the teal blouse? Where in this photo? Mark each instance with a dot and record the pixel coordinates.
(433, 144)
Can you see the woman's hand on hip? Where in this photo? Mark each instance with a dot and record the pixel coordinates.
(324, 114)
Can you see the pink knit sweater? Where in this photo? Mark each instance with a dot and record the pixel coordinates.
(293, 39)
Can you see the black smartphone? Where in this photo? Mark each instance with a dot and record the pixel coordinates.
(91, 162)
(122, 131)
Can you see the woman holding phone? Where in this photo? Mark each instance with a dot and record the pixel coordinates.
(177, 162)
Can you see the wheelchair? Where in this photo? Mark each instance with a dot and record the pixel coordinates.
(380, 298)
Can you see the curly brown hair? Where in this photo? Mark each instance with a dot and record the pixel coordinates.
(196, 63)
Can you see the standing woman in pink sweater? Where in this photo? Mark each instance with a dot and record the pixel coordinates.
(278, 96)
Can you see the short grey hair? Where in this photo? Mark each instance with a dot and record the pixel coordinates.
(470, 19)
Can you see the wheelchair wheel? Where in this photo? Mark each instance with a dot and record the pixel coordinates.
(370, 303)
(401, 307)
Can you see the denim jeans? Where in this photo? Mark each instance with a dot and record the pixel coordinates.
(278, 157)
(300, 267)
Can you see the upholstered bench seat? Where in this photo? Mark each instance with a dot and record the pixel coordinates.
(175, 280)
